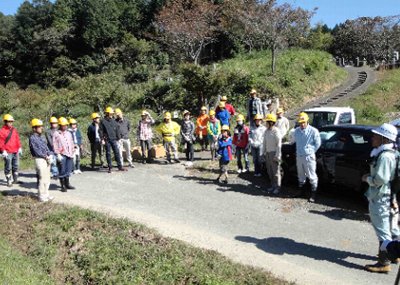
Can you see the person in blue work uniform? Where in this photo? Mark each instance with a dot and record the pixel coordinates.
(382, 171)
(224, 152)
(308, 141)
(43, 159)
(223, 115)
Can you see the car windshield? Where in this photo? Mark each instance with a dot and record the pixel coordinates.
(319, 119)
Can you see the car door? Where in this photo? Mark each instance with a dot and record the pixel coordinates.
(327, 154)
(352, 156)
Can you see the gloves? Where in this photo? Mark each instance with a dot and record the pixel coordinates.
(20, 151)
(59, 157)
(4, 154)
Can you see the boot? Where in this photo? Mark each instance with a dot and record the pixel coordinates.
(382, 266)
(312, 197)
(15, 178)
(67, 184)
(301, 192)
(62, 183)
(9, 180)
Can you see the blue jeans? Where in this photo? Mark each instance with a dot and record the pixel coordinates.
(113, 144)
(11, 163)
(255, 152)
(245, 152)
(65, 167)
(53, 167)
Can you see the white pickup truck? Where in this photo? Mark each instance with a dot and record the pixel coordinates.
(322, 116)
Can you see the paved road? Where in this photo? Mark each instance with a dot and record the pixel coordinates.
(306, 243)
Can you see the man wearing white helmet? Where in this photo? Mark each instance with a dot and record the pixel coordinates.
(382, 172)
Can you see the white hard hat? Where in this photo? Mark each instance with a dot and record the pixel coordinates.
(386, 130)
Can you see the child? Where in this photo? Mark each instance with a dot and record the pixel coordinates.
(224, 152)
(169, 130)
(145, 135)
(241, 142)
(256, 140)
(187, 133)
(213, 130)
(77, 137)
(201, 129)
(223, 115)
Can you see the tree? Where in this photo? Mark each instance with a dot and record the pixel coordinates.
(188, 26)
(319, 38)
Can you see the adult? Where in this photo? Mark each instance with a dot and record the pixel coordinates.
(241, 143)
(49, 138)
(187, 135)
(64, 150)
(201, 128)
(124, 141)
(256, 140)
(282, 123)
(254, 107)
(145, 135)
(95, 135)
(110, 131)
(383, 168)
(307, 141)
(272, 153)
(223, 115)
(77, 138)
(10, 149)
(213, 132)
(228, 106)
(169, 130)
(43, 159)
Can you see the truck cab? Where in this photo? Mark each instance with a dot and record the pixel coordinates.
(325, 116)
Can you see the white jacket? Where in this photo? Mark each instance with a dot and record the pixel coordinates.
(283, 125)
(256, 138)
(273, 142)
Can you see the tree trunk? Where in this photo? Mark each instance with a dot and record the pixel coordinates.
(273, 59)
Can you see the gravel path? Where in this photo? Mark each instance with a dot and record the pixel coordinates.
(324, 243)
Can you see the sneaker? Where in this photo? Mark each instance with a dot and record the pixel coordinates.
(270, 189)
(225, 181)
(245, 170)
(79, 171)
(131, 165)
(239, 171)
(122, 169)
(378, 268)
(312, 198)
(75, 172)
(50, 198)
(109, 170)
(177, 160)
(276, 191)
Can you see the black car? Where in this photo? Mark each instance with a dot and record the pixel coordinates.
(344, 156)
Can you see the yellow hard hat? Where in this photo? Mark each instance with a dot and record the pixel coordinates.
(303, 118)
(72, 121)
(221, 104)
(63, 121)
(270, 118)
(212, 113)
(225, 128)
(36, 123)
(279, 111)
(224, 98)
(95, 116)
(8, 118)
(53, 120)
(258, 117)
(186, 112)
(253, 91)
(109, 110)
(240, 117)
(204, 108)
(118, 111)
(167, 115)
(144, 113)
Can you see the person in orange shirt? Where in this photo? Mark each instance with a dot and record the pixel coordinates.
(201, 128)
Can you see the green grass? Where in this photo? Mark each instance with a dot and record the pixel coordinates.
(77, 246)
(16, 268)
(300, 74)
(380, 103)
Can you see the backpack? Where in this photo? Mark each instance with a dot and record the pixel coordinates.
(395, 182)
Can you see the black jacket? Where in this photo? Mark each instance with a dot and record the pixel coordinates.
(91, 133)
(110, 129)
(124, 128)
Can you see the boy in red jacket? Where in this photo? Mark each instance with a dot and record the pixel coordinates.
(10, 149)
(241, 142)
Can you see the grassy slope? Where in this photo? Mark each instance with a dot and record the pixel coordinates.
(380, 102)
(79, 246)
(300, 75)
(18, 269)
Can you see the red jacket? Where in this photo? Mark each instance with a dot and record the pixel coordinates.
(241, 138)
(229, 108)
(13, 144)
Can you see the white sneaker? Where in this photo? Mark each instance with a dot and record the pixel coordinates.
(244, 170)
(75, 172)
(239, 171)
(79, 171)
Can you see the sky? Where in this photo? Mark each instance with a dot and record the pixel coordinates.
(330, 12)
